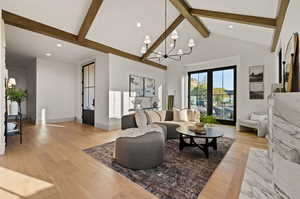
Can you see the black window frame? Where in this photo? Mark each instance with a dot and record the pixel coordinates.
(210, 91)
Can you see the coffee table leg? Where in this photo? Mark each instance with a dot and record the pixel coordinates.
(214, 144)
(205, 148)
(181, 142)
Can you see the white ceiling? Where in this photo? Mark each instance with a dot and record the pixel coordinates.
(115, 24)
(26, 44)
(262, 8)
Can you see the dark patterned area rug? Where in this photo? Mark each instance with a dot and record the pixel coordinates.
(181, 176)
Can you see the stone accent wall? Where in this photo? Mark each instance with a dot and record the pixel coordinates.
(284, 143)
(3, 74)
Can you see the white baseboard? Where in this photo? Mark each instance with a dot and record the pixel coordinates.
(2, 148)
(58, 120)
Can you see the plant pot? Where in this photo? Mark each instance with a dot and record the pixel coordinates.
(208, 127)
(14, 108)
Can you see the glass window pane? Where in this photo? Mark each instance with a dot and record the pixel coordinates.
(91, 69)
(91, 98)
(198, 91)
(223, 94)
(85, 76)
(85, 98)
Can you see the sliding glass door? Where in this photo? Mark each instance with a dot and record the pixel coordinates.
(213, 92)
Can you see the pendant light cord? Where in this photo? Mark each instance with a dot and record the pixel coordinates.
(165, 27)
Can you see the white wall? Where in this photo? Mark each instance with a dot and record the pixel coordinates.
(2, 85)
(119, 71)
(102, 91)
(20, 74)
(221, 52)
(56, 88)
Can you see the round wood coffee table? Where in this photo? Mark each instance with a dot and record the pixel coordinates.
(210, 138)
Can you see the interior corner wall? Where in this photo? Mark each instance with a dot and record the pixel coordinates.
(3, 73)
(55, 91)
(102, 91)
(31, 91)
(119, 71)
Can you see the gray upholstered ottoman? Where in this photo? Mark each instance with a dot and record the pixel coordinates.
(142, 152)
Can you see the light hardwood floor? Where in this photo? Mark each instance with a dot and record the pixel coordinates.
(50, 164)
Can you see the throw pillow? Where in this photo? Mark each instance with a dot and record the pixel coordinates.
(180, 115)
(141, 119)
(193, 115)
(162, 115)
(258, 117)
(176, 114)
(153, 116)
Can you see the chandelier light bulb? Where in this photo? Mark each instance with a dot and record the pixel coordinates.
(174, 35)
(171, 45)
(143, 50)
(191, 43)
(147, 39)
(159, 55)
(180, 52)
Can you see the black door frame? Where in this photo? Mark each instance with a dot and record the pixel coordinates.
(210, 91)
(82, 91)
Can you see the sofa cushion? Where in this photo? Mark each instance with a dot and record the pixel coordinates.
(153, 116)
(162, 115)
(141, 119)
(258, 117)
(249, 123)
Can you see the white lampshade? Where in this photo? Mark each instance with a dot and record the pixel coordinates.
(147, 39)
(180, 52)
(174, 35)
(143, 50)
(159, 55)
(191, 43)
(11, 82)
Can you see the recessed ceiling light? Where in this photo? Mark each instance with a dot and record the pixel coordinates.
(48, 54)
(59, 45)
(138, 24)
(230, 26)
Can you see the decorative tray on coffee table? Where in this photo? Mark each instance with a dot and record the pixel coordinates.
(198, 128)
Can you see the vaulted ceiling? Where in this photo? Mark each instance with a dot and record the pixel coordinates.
(115, 22)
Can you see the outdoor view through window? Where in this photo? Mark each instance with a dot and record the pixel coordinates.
(213, 92)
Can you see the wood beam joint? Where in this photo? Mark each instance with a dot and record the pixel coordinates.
(279, 22)
(184, 9)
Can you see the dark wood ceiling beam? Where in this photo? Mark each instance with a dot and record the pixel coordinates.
(28, 24)
(184, 9)
(163, 36)
(279, 22)
(89, 18)
(237, 18)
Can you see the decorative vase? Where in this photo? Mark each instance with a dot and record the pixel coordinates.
(14, 108)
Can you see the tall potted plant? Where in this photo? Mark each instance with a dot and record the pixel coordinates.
(16, 96)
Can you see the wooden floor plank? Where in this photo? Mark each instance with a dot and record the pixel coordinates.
(53, 154)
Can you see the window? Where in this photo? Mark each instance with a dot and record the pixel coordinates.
(213, 92)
